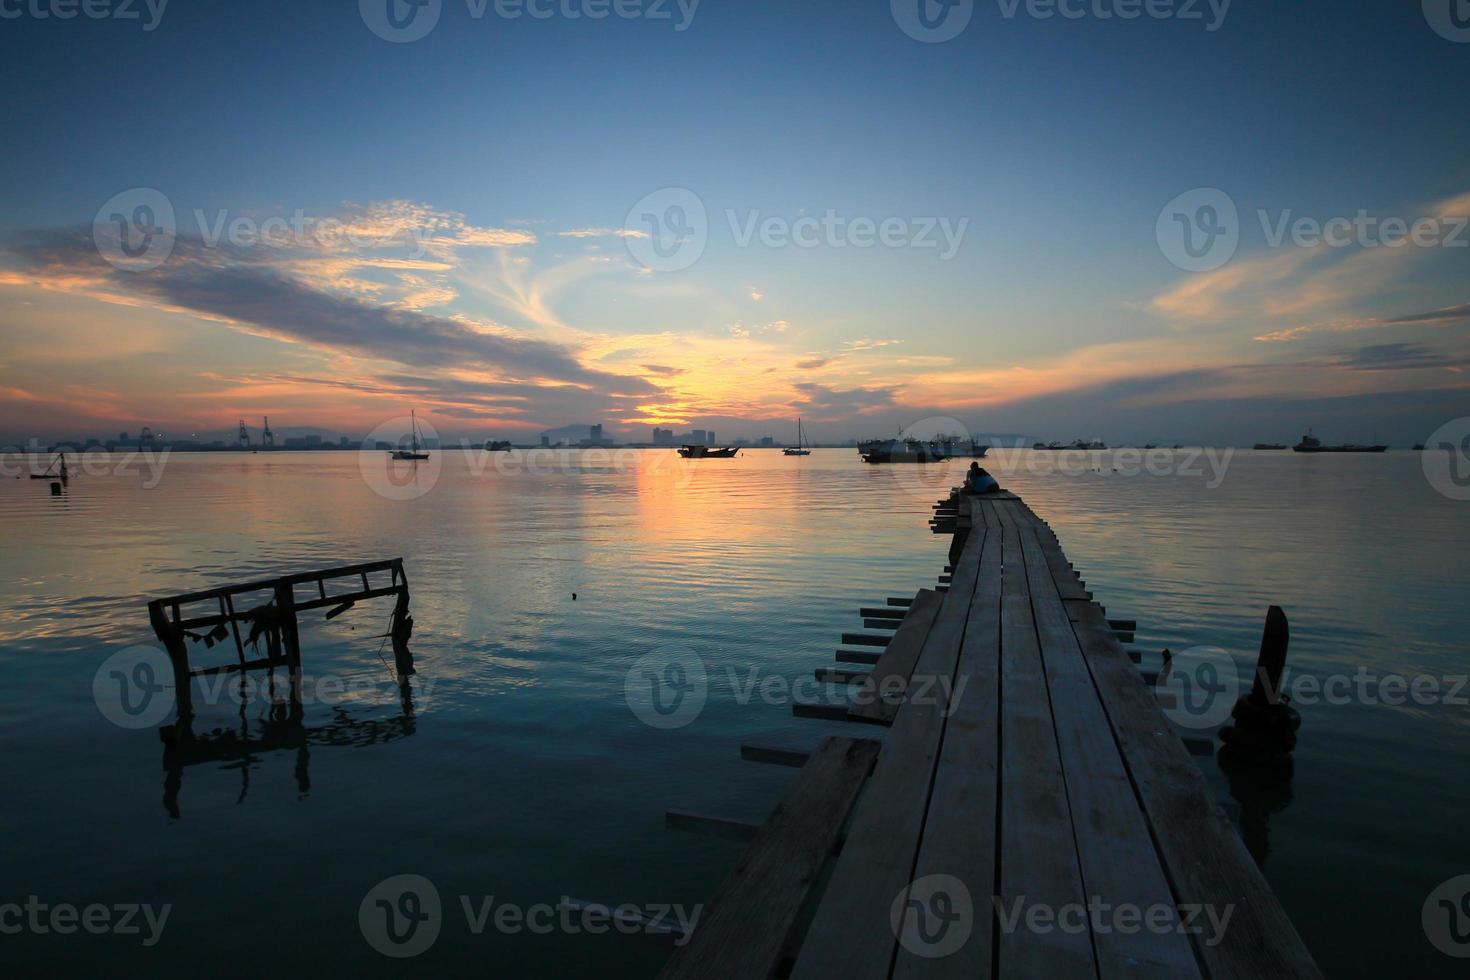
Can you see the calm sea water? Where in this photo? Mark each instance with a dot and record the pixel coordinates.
(518, 769)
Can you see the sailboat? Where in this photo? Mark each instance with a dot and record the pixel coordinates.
(800, 449)
(415, 452)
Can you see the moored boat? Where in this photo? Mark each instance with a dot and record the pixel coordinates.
(414, 452)
(800, 449)
(1311, 444)
(902, 451)
(708, 452)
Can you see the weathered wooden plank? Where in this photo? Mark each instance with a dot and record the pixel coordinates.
(1038, 851)
(710, 826)
(893, 669)
(1116, 854)
(746, 923)
(774, 755)
(840, 675)
(817, 709)
(851, 935)
(865, 640)
(960, 832)
(1203, 856)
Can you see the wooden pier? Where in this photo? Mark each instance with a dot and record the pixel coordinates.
(1024, 811)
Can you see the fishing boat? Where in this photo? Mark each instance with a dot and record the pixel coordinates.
(1311, 444)
(800, 449)
(415, 452)
(902, 451)
(56, 471)
(708, 452)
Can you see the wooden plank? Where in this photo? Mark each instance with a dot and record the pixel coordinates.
(897, 663)
(839, 675)
(1203, 856)
(870, 612)
(1038, 850)
(851, 935)
(1116, 854)
(1068, 585)
(826, 712)
(746, 922)
(960, 831)
(796, 758)
(710, 826)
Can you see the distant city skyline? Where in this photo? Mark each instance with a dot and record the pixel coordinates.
(1066, 228)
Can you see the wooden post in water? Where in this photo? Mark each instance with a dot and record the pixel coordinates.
(402, 628)
(178, 656)
(1265, 721)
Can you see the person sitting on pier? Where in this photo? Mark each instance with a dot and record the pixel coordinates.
(979, 481)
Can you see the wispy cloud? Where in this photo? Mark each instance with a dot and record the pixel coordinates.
(603, 233)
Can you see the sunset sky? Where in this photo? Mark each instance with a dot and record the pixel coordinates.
(459, 228)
